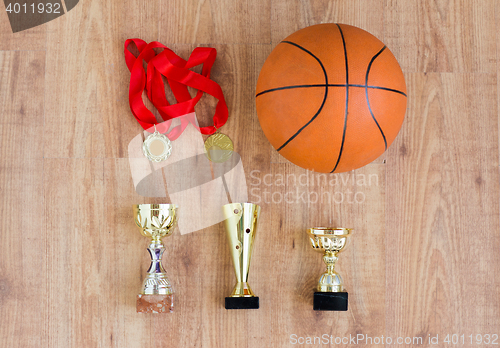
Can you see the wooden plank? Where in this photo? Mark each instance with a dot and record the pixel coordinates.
(87, 110)
(466, 281)
(22, 104)
(215, 22)
(290, 16)
(23, 241)
(497, 17)
(76, 254)
(448, 36)
(24, 271)
(440, 174)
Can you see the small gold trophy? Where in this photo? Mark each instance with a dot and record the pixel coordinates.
(241, 225)
(330, 294)
(155, 221)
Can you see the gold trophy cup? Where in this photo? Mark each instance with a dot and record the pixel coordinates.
(241, 225)
(155, 221)
(330, 294)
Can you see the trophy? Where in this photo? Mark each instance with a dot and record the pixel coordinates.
(155, 221)
(330, 294)
(241, 225)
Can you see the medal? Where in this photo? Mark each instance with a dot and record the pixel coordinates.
(168, 66)
(157, 147)
(219, 147)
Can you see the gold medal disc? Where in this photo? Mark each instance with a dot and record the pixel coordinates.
(157, 147)
(219, 147)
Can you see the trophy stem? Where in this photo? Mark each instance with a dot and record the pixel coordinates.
(242, 289)
(330, 259)
(330, 281)
(156, 282)
(156, 295)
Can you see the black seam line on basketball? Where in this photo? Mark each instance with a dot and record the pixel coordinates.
(368, 99)
(295, 86)
(382, 88)
(346, 98)
(329, 85)
(324, 98)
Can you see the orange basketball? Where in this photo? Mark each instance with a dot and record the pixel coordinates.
(331, 98)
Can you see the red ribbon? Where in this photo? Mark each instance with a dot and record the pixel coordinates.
(179, 77)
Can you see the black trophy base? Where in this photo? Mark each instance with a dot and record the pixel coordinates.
(242, 303)
(330, 301)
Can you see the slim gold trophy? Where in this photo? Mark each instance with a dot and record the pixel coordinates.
(241, 225)
(330, 294)
(155, 221)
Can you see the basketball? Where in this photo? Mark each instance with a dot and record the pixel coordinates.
(331, 98)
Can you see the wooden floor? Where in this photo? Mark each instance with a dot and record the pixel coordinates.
(424, 257)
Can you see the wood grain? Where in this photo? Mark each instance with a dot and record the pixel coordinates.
(22, 98)
(442, 36)
(74, 255)
(423, 257)
(437, 170)
(213, 22)
(290, 16)
(24, 268)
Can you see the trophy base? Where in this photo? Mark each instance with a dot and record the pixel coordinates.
(330, 301)
(242, 303)
(155, 303)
